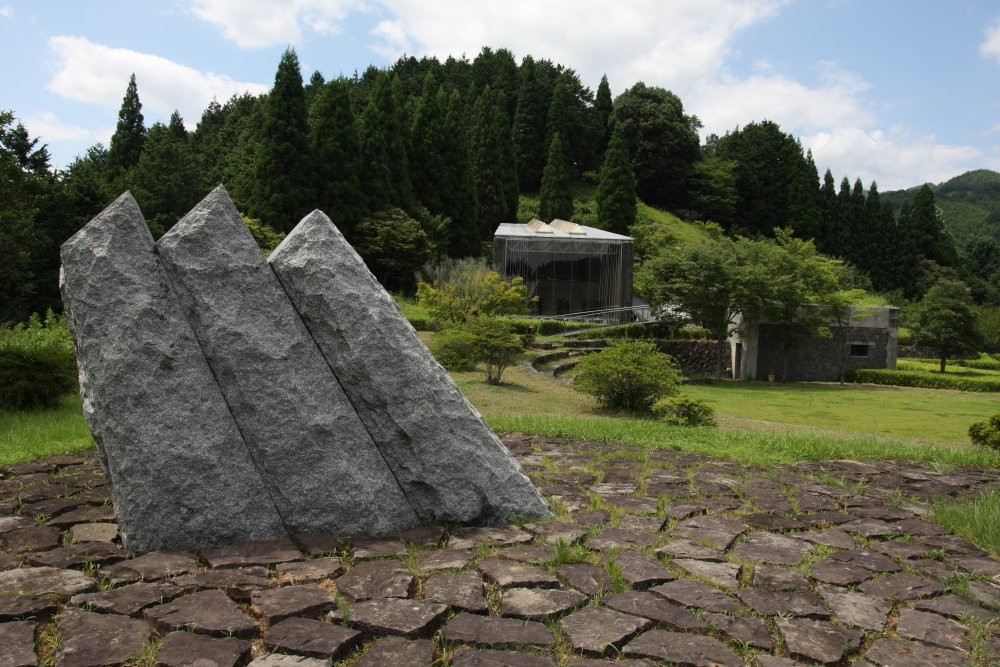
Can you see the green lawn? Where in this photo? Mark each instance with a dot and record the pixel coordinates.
(31, 434)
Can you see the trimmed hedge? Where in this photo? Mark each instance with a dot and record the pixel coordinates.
(922, 379)
(664, 330)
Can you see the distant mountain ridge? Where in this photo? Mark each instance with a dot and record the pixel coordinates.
(970, 204)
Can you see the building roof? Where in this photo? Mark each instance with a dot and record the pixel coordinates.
(557, 229)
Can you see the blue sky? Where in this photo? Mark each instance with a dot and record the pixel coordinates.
(897, 91)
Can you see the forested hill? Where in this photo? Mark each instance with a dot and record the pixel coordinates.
(970, 204)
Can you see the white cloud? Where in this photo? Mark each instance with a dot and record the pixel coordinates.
(98, 74)
(6, 11)
(259, 23)
(895, 158)
(990, 47)
(47, 127)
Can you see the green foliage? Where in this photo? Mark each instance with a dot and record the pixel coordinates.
(282, 183)
(555, 199)
(336, 156)
(529, 127)
(977, 519)
(986, 433)
(37, 363)
(130, 134)
(494, 165)
(455, 290)
(945, 321)
(455, 349)
(713, 192)
(924, 379)
(394, 246)
(616, 201)
(266, 237)
(166, 181)
(988, 326)
(662, 141)
(629, 375)
(983, 362)
(684, 411)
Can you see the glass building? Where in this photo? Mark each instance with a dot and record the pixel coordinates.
(572, 269)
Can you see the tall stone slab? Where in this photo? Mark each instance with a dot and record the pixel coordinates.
(180, 473)
(315, 455)
(450, 465)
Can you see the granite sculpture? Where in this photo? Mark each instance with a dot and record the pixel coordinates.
(234, 398)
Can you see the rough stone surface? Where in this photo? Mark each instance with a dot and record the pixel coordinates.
(902, 586)
(682, 649)
(138, 358)
(817, 640)
(751, 631)
(642, 571)
(13, 607)
(317, 569)
(771, 548)
(535, 604)
(252, 553)
(376, 579)
(207, 613)
(721, 574)
(492, 658)
(857, 609)
(18, 642)
(902, 653)
(462, 591)
(311, 638)
(716, 531)
(647, 605)
(596, 631)
(89, 639)
(239, 583)
(93, 532)
(694, 594)
(621, 538)
(278, 660)
(785, 603)
(151, 567)
(953, 607)
(277, 604)
(495, 632)
(507, 574)
(398, 652)
(932, 629)
(451, 468)
(128, 600)
(319, 464)
(586, 578)
(443, 560)
(183, 649)
(392, 616)
(42, 580)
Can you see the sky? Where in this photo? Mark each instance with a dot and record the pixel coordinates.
(901, 92)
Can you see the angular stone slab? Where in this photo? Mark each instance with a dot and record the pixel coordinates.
(902, 586)
(751, 631)
(237, 583)
(277, 604)
(490, 658)
(497, 632)
(18, 642)
(252, 553)
(392, 616)
(377, 579)
(317, 569)
(585, 577)
(151, 567)
(318, 463)
(902, 653)
(772, 548)
(140, 367)
(13, 607)
(537, 604)
(784, 603)
(595, 631)
(647, 605)
(181, 649)
(91, 639)
(443, 560)
(857, 609)
(452, 468)
(932, 629)
(463, 591)
(508, 574)
(821, 641)
(682, 649)
(694, 594)
(207, 613)
(720, 574)
(312, 638)
(128, 600)
(642, 571)
(45, 580)
(398, 652)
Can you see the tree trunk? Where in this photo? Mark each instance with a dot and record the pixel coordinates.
(943, 360)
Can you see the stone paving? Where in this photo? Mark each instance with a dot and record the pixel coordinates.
(655, 557)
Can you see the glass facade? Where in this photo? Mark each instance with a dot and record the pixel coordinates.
(570, 275)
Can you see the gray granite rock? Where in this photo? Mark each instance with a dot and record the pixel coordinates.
(318, 462)
(141, 366)
(451, 468)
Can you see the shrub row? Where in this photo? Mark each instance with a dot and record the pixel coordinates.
(985, 362)
(655, 331)
(923, 379)
(37, 363)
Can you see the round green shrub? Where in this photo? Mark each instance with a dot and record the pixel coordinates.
(629, 375)
(684, 411)
(986, 433)
(455, 349)
(37, 363)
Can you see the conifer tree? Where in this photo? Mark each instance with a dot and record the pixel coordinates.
(602, 110)
(556, 197)
(166, 182)
(130, 134)
(375, 173)
(493, 165)
(459, 187)
(829, 219)
(336, 154)
(803, 191)
(857, 232)
(616, 200)
(529, 127)
(427, 139)
(281, 179)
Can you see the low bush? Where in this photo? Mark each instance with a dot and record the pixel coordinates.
(629, 375)
(455, 349)
(905, 336)
(488, 340)
(524, 325)
(986, 433)
(983, 362)
(923, 379)
(37, 363)
(684, 411)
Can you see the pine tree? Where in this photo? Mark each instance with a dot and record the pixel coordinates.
(829, 216)
(529, 127)
(803, 192)
(130, 134)
(166, 182)
(427, 139)
(492, 166)
(616, 200)
(281, 179)
(375, 174)
(336, 153)
(459, 190)
(556, 197)
(854, 249)
(602, 110)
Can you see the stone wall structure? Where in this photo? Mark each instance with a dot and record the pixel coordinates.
(233, 399)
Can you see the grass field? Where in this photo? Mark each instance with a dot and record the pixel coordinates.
(31, 434)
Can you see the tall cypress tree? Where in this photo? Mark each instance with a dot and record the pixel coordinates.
(616, 200)
(602, 110)
(556, 197)
(336, 153)
(459, 193)
(529, 127)
(826, 235)
(130, 134)
(492, 165)
(803, 191)
(427, 139)
(281, 178)
(166, 182)
(857, 232)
